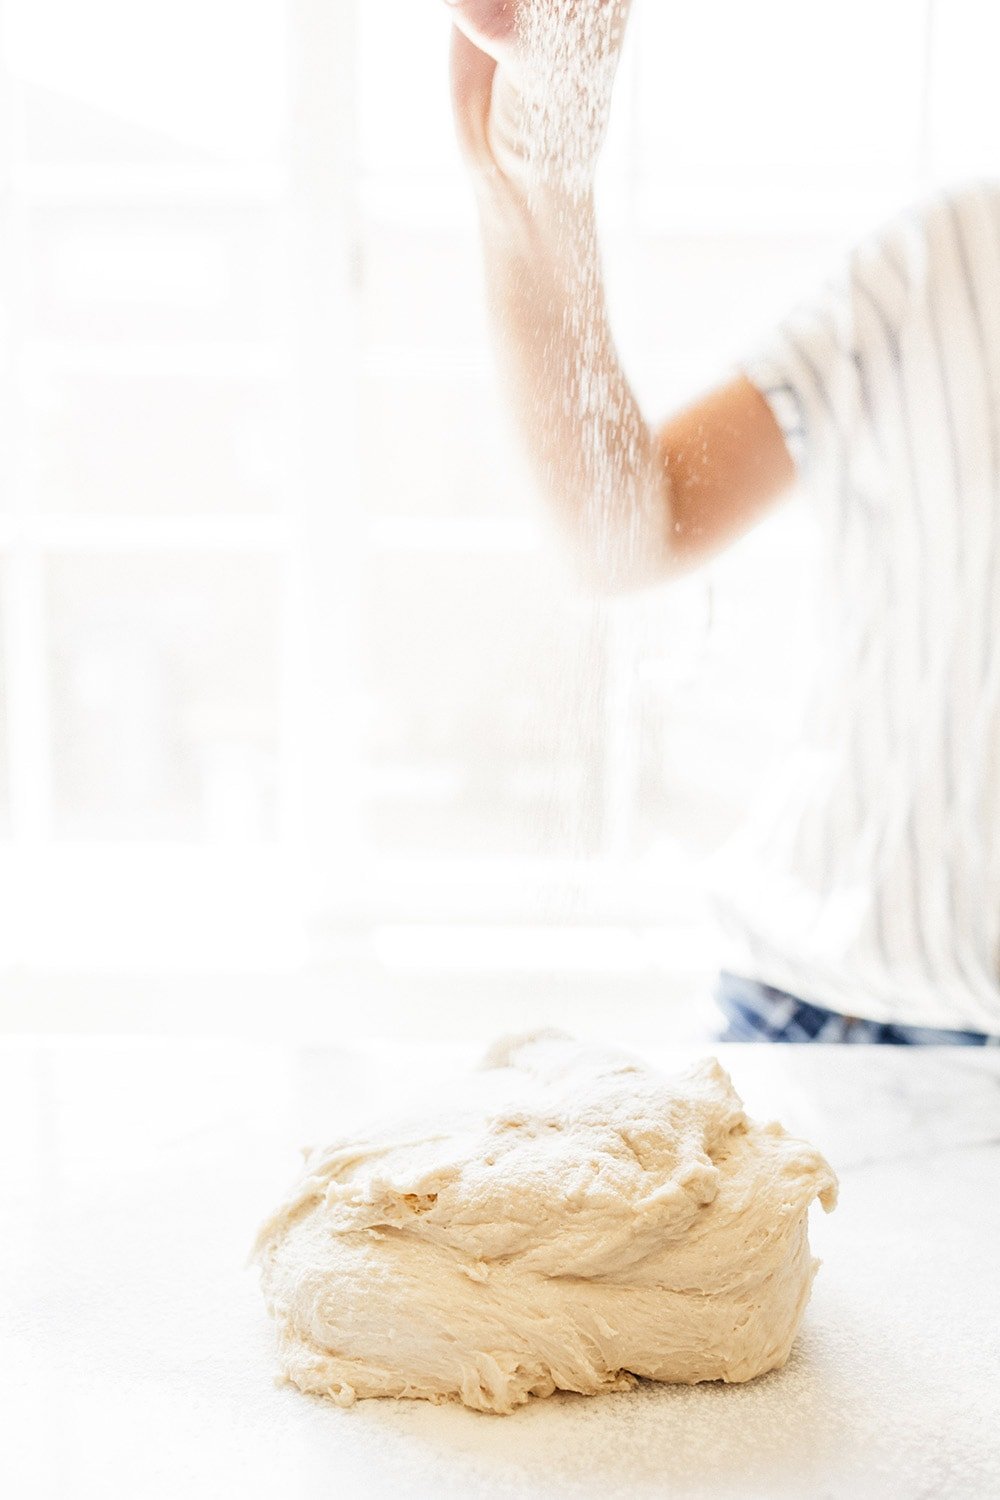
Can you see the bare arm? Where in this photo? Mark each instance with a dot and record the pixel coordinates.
(726, 464)
(638, 503)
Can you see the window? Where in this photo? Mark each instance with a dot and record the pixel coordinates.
(290, 675)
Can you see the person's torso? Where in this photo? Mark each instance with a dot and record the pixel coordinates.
(868, 877)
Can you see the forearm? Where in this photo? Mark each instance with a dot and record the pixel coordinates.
(596, 460)
(531, 85)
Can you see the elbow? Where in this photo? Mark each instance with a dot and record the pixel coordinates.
(622, 549)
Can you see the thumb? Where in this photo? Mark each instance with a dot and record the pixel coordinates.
(472, 72)
(492, 24)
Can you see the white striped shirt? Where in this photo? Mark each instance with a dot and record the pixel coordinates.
(868, 878)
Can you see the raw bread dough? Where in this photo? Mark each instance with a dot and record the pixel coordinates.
(570, 1222)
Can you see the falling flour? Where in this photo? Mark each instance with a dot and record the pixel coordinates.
(570, 1221)
(591, 445)
(568, 58)
(568, 52)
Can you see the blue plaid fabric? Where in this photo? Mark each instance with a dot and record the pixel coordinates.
(757, 1012)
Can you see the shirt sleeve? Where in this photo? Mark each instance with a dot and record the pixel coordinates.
(822, 368)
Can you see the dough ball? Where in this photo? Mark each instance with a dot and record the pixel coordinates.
(571, 1220)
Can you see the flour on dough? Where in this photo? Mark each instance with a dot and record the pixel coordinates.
(572, 1220)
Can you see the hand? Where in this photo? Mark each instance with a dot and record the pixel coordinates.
(491, 25)
(531, 86)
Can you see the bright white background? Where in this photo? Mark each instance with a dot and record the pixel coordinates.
(301, 725)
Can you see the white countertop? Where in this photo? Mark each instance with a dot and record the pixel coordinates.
(136, 1358)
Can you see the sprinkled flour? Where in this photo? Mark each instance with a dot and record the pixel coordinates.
(569, 52)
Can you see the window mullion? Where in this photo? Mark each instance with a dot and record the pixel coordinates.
(24, 633)
(324, 697)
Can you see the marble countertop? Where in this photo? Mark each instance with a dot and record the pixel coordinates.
(136, 1358)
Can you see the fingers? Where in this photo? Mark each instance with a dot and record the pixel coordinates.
(491, 24)
(485, 36)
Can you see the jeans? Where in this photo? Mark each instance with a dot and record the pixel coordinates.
(757, 1012)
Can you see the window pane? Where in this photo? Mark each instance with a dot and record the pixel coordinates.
(164, 673)
(965, 101)
(423, 290)
(4, 762)
(404, 102)
(160, 273)
(192, 82)
(159, 445)
(438, 445)
(486, 685)
(781, 84)
(813, 97)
